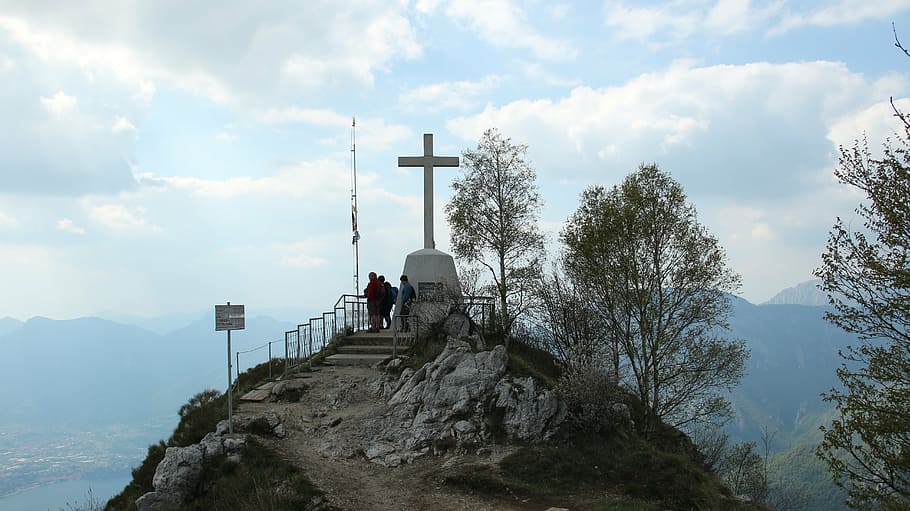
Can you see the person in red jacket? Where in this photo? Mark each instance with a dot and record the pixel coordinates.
(374, 300)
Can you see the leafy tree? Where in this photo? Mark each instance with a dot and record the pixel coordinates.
(866, 273)
(660, 281)
(494, 214)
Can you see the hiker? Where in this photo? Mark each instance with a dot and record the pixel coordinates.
(388, 299)
(374, 299)
(407, 294)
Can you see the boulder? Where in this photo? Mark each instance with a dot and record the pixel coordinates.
(446, 403)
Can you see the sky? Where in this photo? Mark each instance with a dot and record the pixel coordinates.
(160, 156)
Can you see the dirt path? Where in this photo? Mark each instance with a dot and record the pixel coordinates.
(332, 426)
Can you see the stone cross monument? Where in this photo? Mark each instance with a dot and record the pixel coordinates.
(428, 161)
(430, 271)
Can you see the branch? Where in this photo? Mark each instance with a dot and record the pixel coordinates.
(897, 42)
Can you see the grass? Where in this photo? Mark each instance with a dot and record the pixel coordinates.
(198, 417)
(635, 475)
(261, 482)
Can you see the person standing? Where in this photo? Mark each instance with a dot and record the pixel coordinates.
(374, 300)
(385, 309)
(406, 294)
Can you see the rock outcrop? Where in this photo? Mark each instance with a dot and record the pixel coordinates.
(462, 400)
(177, 475)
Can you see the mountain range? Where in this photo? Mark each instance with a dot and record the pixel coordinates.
(62, 380)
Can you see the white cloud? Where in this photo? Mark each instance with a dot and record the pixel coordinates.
(844, 12)
(304, 254)
(460, 95)
(248, 55)
(67, 225)
(59, 104)
(119, 217)
(503, 24)
(122, 124)
(750, 130)
(314, 180)
(370, 131)
(7, 220)
(762, 231)
(671, 22)
(643, 23)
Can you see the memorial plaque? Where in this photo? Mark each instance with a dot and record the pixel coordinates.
(430, 292)
(229, 317)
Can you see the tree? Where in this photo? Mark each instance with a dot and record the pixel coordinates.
(493, 215)
(660, 281)
(866, 273)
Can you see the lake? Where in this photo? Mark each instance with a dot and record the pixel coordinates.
(55, 497)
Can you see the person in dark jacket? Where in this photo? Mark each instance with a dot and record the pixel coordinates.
(374, 301)
(385, 308)
(406, 295)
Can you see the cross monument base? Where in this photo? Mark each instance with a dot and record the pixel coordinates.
(433, 275)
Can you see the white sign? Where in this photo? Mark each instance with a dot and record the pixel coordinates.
(229, 317)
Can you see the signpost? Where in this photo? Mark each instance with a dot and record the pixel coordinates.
(229, 317)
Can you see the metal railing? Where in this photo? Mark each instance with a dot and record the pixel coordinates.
(271, 358)
(349, 315)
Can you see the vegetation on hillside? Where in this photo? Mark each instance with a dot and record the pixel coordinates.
(261, 482)
(866, 272)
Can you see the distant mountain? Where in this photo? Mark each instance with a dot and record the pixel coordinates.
(8, 324)
(91, 371)
(794, 356)
(805, 293)
(161, 325)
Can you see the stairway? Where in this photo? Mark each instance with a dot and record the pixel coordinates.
(368, 348)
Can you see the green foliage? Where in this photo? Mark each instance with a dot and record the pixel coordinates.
(636, 473)
(494, 213)
(198, 417)
(527, 360)
(262, 482)
(867, 275)
(141, 482)
(660, 282)
(798, 471)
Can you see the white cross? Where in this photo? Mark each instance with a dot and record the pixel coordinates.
(428, 161)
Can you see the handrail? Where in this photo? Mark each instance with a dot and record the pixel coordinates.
(349, 314)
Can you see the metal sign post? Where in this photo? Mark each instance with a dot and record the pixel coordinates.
(229, 317)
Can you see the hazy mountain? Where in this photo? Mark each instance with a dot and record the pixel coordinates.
(794, 355)
(161, 325)
(805, 293)
(8, 324)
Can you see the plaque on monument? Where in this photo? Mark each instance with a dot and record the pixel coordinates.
(431, 291)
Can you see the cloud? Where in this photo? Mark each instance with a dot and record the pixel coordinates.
(503, 24)
(844, 12)
(313, 180)
(122, 124)
(7, 220)
(672, 22)
(459, 95)
(67, 225)
(758, 129)
(247, 55)
(59, 103)
(370, 131)
(304, 254)
(119, 217)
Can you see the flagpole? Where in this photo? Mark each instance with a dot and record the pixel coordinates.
(356, 233)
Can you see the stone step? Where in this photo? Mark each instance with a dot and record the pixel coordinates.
(259, 393)
(368, 348)
(356, 359)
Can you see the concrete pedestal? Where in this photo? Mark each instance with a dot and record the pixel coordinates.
(433, 275)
